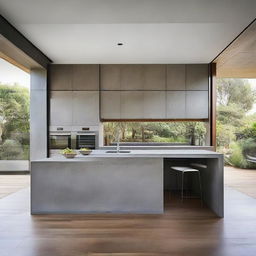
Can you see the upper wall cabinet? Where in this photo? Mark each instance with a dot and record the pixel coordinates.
(74, 77)
(85, 108)
(197, 77)
(154, 77)
(61, 103)
(85, 77)
(127, 77)
(60, 77)
(110, 77)
(176, 77)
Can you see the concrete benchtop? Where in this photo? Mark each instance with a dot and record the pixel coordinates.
(98, 154)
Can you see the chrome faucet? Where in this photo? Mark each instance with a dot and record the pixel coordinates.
(118, 142)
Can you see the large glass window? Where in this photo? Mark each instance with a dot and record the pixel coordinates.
(158, 133)
(14, 112)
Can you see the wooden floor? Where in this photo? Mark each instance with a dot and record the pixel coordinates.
(12, 183)
(242, 180)
(184, 229)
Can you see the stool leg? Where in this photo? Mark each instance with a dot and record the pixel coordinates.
(182, 185)
(200, 186)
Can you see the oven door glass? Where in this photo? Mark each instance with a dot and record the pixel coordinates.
(60, 141)
(85, 141)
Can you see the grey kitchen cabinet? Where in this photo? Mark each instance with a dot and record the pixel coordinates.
(197, 106)
(110, 77)
(110, 104)
(60, 77)
(154, 77)
(85, 108)
(197, 77)
(176, 77)
(61, 108)
(175, 104)
(132, 77)
(85, 77)
(132, 104)
(154, 105)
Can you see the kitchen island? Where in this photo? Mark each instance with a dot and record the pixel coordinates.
(119, 182)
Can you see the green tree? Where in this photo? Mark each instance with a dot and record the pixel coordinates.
(14, 110)
(235, 91)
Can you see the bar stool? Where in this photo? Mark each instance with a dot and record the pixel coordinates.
(183, 170)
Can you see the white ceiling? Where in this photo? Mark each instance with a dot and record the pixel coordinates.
(153, 31)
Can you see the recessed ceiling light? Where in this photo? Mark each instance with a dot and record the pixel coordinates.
(120, 44)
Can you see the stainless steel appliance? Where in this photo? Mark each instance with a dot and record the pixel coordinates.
(60, 140)
(86, 140)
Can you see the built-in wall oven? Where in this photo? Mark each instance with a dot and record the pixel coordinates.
(86, 140)
(74, 139)
(60, 140)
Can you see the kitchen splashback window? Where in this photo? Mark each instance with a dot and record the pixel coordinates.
(156, 133)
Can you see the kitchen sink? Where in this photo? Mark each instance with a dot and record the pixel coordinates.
(121, 151)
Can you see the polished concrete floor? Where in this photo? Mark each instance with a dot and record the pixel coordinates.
(184, 229)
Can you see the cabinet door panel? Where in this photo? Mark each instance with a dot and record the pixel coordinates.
(154, 77)
(176, 77)
(131, 105)
(60, 77)
(60, 108)
(110, 77)
(85, 108)
(197, 104)
(154, 105)
(175, 105)
(197, 77)
(110, 105)
(131, 77)
(86, 77)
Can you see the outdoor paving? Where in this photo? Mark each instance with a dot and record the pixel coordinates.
(243, 180)
(11, 183)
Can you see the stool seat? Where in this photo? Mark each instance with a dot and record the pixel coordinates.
(187, 169)
(184, 169)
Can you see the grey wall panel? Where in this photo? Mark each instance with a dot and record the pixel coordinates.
(60, 77)
(132, 77)
(175, 104)
(154, 104)
(132, 104)
(197, 104)
(110, 77)
(38, 114)
(176, 77)
(85, 77)
(154, 77)
(61, 104)
(85, 108)
(197, 77)
(110, 105)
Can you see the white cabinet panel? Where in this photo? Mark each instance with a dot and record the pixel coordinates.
(110, 105)
(197, 77)
(176, 77)
(132, 105)
(61, 108)
(85, 108)
(197, 104)
(154, 105)
(175, 105)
